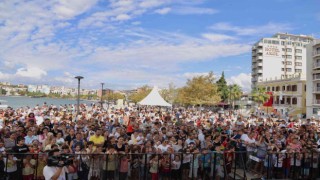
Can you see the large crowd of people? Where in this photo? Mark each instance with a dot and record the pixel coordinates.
(137, 143)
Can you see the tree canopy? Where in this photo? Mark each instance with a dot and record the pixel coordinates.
(223, 88)
(113, 96)
(260, 95)
(235, 93)
(140, 94)
(200, 90)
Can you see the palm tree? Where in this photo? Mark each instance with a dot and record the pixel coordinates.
(235, 93)
(260, 95)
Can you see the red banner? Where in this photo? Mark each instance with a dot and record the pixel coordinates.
(269, 103)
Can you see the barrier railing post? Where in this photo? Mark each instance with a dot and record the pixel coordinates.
(192, 165)
(145, 166)
(181, 166)
(6, 165)
(214, 164)
(235, 166)
(268, 165)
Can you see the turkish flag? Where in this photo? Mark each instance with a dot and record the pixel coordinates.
(269, 103)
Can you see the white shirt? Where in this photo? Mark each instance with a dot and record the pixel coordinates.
(246, 138)
(163, 148)
(49, 171)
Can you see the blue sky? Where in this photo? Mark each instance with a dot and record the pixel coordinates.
(130, 43)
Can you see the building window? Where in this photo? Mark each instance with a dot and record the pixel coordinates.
(298, 57)
(278, 88)
(289, 63)
(315, 110)
(298, 63)
(294, 100)
(283, 88)
(289, 88)
(283, 56)
(289, 70)
(282, 69)
(289, 50)
(289, 57)
(283, 43)
(275, 42)
(298, 50)
(298, 70)
(294, 88)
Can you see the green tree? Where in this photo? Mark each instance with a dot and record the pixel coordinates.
(140, 94)
(170, 94)
(260, 95)
(113, 96)
(2, 91)
(200, 90)
(223, 88)
(22, 92)
(235, 93)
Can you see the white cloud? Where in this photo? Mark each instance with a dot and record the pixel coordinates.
(243, 80)
(193, 10)
(159, 53)
(218, 37)
(136, 23)
(269, 28)
(122, 17)
(163, 11)
(34, 47)
(67, 78)
(31, 72)
(71, 8)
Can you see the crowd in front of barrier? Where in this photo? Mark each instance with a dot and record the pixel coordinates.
(134, 143)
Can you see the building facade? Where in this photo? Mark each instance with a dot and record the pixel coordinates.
(279, 56)
(313, 79)
(39, 88)
(289, 95)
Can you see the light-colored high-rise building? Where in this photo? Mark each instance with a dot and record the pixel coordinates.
(313, 79)
(279, 57)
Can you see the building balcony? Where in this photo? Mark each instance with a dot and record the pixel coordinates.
(316, 102)
(316, 77)
(316, 65)
(259, 57)
(316, 53)
(259, 64)
(259, 51)
(316, 90)
(259, 71)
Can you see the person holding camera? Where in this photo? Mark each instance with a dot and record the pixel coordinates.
(56, 168)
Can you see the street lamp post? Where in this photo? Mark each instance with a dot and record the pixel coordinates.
(78, 99)
(101, 95)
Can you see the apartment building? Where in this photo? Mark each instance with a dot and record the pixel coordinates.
(313, 79)
(279, 56)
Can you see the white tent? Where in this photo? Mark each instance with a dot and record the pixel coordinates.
(154, 99)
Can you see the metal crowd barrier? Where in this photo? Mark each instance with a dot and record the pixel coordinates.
(212, 165)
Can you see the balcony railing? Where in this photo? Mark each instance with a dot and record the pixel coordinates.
(316, 89)
(316, 101)
(316, 53)
(316, 77)
(316, 65)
